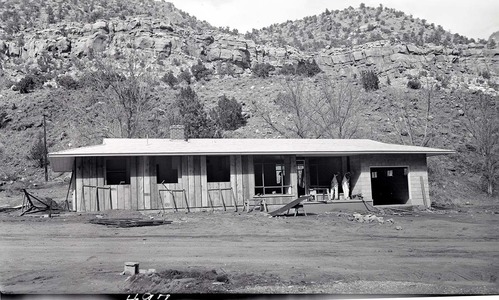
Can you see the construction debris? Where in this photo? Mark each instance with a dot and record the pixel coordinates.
(123, 223)
(33, 204)
(369, 218)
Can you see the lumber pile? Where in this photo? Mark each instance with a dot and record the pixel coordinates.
(124, 223)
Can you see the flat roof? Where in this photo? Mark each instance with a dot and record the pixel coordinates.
(62, 161)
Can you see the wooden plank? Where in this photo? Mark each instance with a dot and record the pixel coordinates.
(154, 183)
(213, 199)
(90, 192)
(133, 183)
(204, 183)
(79, 185)
(140, 182)
(251, 177)
(244, 162)
(117, 196)
(185, 184)
(147, 184)
(86, 181)
(238, 193)
(93, 183)
(126, 196)
(197, 182)
(99, 176)
(114, 196)
(288, 206)
(190, 173)
(233, 178)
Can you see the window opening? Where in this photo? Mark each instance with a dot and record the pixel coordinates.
(271, 176)
(218, 168)
(166, 170)
(117, 171)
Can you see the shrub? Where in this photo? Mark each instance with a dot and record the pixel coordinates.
(37, 151)
(225, 68)
(287, 70)
(485, 74)
(31, 82)
(491, 44)
(68, 82)
(200, 71)
(185, 75)
(170, 79)
(414, 84)
(370, 80)
(195, 119)
(26, 85)
(263, 70)
(228, 114)
(307, 68)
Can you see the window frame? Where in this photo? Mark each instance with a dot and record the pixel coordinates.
(226, 170)
(124, 170)
(174, 169)
(282, 188)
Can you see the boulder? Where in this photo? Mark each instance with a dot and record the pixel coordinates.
(413, 49)
(100, 25)
(341, 59)
(357, 55)
(399, 48)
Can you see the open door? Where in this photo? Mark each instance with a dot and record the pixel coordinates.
(389, 185)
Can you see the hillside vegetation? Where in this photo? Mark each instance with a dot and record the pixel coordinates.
(356, 26)
(131, 68)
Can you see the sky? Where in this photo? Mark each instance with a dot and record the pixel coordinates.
(473, 19)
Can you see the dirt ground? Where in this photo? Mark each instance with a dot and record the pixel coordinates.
(429, 252)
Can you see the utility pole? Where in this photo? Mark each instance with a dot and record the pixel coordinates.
(45, 161)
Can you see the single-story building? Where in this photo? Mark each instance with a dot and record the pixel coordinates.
(201, 174)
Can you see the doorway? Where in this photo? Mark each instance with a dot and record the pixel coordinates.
(300, 164)
(390, 185)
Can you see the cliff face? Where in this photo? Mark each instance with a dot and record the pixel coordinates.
(163, 40)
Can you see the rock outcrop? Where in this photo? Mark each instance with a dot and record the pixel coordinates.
(163, 39)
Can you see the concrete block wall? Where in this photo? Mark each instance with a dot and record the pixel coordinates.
(418, 172)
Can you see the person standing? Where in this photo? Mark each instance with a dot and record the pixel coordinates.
(334, 188)
(345, 184)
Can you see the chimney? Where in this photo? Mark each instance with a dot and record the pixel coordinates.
(177, 132)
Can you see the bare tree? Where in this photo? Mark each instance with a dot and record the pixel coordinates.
(129, 94)
(411, 116)
(338, 109)
(325, 110)
(122, 104)
(482, 124)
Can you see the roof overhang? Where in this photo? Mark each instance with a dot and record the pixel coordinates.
(63, 161)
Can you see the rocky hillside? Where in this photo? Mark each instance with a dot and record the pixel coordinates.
(19, 15)
(356, 26)
(59, 44)
(160, 30)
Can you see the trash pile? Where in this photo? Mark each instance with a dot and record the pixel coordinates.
(369, 218)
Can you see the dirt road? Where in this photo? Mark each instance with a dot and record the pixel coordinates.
(452, 252)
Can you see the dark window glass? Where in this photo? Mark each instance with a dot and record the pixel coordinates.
(218, 168)
(117, 171)
(166, 171)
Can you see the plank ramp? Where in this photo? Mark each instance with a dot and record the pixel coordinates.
(288, 206)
